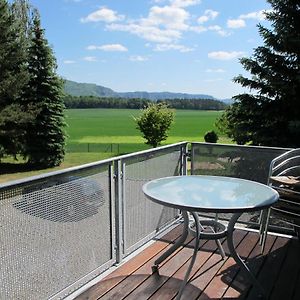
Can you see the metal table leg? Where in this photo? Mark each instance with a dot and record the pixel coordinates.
(176, 245)
(264, 231)
(197, 242)
(235, 255)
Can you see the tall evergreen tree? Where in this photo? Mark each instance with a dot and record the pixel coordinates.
(45, 138)
(270, 116)
(13, 77)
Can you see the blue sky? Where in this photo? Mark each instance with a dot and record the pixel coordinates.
(188, 46)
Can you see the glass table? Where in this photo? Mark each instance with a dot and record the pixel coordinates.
(217, 194)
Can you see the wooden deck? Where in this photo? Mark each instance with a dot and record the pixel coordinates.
(278, 270)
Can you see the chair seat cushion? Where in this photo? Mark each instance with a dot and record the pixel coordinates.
(291, 181)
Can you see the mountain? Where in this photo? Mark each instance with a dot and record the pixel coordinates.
(227, 101)
(89, 89)
(164, 95)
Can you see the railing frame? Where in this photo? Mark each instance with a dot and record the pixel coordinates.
(117, 175)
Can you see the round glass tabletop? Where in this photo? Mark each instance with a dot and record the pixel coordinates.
(210, 193)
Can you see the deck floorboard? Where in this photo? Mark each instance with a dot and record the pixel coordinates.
(277, 270)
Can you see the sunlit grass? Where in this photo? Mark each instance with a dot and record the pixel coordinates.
(115, 131)
(71, 159)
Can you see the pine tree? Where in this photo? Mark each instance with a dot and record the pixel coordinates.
(271, 115)
(45, 138)
(13, 77)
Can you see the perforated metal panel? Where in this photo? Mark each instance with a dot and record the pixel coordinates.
(245, 162)
(142, 217)
(56, 233)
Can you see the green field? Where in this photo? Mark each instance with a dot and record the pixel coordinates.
(96, 134)
(116, 126)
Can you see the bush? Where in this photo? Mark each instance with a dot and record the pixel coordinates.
(154, 123)
(211, 137)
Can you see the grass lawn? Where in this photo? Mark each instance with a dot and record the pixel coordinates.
(116, 126)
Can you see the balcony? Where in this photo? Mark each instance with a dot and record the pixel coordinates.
(63, 231)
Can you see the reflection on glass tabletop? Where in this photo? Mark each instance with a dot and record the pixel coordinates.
(210, 193)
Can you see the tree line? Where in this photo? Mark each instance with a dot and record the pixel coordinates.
(138, 103)
(31, 93)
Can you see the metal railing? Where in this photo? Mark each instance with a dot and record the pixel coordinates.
(247, 162)
(62, 229)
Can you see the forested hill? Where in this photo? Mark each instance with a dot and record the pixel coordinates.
(88, 89)
(138, 103)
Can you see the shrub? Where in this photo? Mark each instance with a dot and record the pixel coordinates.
(211, 137)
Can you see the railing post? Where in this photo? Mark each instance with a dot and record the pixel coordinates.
(184, 152)
(119, 244)
(192, 156)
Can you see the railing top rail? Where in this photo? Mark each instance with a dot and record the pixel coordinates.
(150, 150)
(92, 165)
(241, 146)
(52, 174)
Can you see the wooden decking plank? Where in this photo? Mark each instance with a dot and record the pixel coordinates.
(218, 286)
(207, 272)
(126, 286)
(257, 264)
(297, 287)
(167, 270)
(134, 279)
(271, 268)
(171, 287)
(286, 282)
(254, 260)
(118, 275)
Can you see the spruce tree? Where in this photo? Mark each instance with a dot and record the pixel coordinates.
(45, 138)
(271, 115)
(13, 78)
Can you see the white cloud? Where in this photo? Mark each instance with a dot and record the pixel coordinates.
(90, 58)
(164, 24)
(103, 14)
(198, 29)
(167, 47)
(224, 55)
(184, 3)
(235, 23)
(168, 17)
(215, 70)
(209, 14)
(149, 33)
(91, 47)
(108, 47)
(138, 58)
(69, 61)
(219, 30)
(256, 15)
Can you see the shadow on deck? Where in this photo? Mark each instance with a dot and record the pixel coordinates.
(277, 269)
